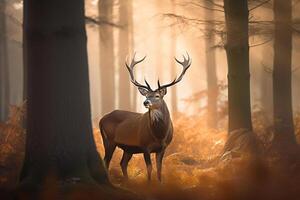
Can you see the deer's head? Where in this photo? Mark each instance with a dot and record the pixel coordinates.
(154, 98)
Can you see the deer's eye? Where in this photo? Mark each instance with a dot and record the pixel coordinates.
(157, 96)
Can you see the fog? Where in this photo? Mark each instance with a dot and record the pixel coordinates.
(161, 37)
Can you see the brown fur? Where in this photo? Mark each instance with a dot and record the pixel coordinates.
(137, 133)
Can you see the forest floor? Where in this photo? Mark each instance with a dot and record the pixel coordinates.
(190, 167)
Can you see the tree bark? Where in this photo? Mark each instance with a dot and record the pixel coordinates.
(237, 50)
(266, 95)
(240, 135)
(25, 68)
(211, 75)
(59, 138)
(124, 83)
(131, 49)
(4, 72)
(282, 72)
(107, 68)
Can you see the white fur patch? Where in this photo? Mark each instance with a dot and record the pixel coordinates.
(156, 115)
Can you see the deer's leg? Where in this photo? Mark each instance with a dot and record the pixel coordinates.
(124, 163)
(159, 158)
(109, 150)
(148, 164)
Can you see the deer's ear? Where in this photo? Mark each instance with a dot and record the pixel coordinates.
(143, 91)
(163, 91)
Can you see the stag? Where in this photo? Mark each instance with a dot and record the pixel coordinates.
(146, 133)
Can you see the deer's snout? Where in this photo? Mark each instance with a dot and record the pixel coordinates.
(147, 103)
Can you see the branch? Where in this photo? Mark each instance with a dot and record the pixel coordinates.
(205, 7)
(101, 22)
(184, 19)
(216, 22)
(258, 27)
(259, 5)
(215, 4)
(264, 22)
(262, 43)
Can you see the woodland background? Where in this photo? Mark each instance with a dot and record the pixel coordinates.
(253, 93)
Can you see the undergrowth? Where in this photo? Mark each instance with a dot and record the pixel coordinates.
(191, 168)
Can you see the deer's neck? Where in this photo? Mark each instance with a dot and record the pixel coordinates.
(160, 121)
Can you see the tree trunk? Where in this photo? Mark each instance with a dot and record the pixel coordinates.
(211, 75)
(124, 83)
(241, 137)
(4, 72)
(107, 68)
(266, 95)
(174, 102)
(131, 49)
(59, 140)
(282, 72)
(237, 50)
(25, 68)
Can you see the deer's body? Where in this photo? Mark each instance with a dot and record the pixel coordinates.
(146, 133)
(150, 132)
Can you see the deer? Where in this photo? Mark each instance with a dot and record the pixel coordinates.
(146, 133)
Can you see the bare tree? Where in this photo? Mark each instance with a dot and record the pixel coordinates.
(237, 50)
(211, 74)
(174, 102)
(59, 139)
(266, 95)
(4, 72)
(107, 68)
(131, 48)
(282, 75)
(14, 51)
(124, 83)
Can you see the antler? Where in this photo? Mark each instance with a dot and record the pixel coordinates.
(186, 63)
(130, 70)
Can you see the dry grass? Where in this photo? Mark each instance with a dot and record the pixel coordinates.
(189, 170)
(192, 147)
(12, 140)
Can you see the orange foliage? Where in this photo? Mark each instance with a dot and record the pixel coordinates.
(12, 137)
(189, 167)
(192, 147)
